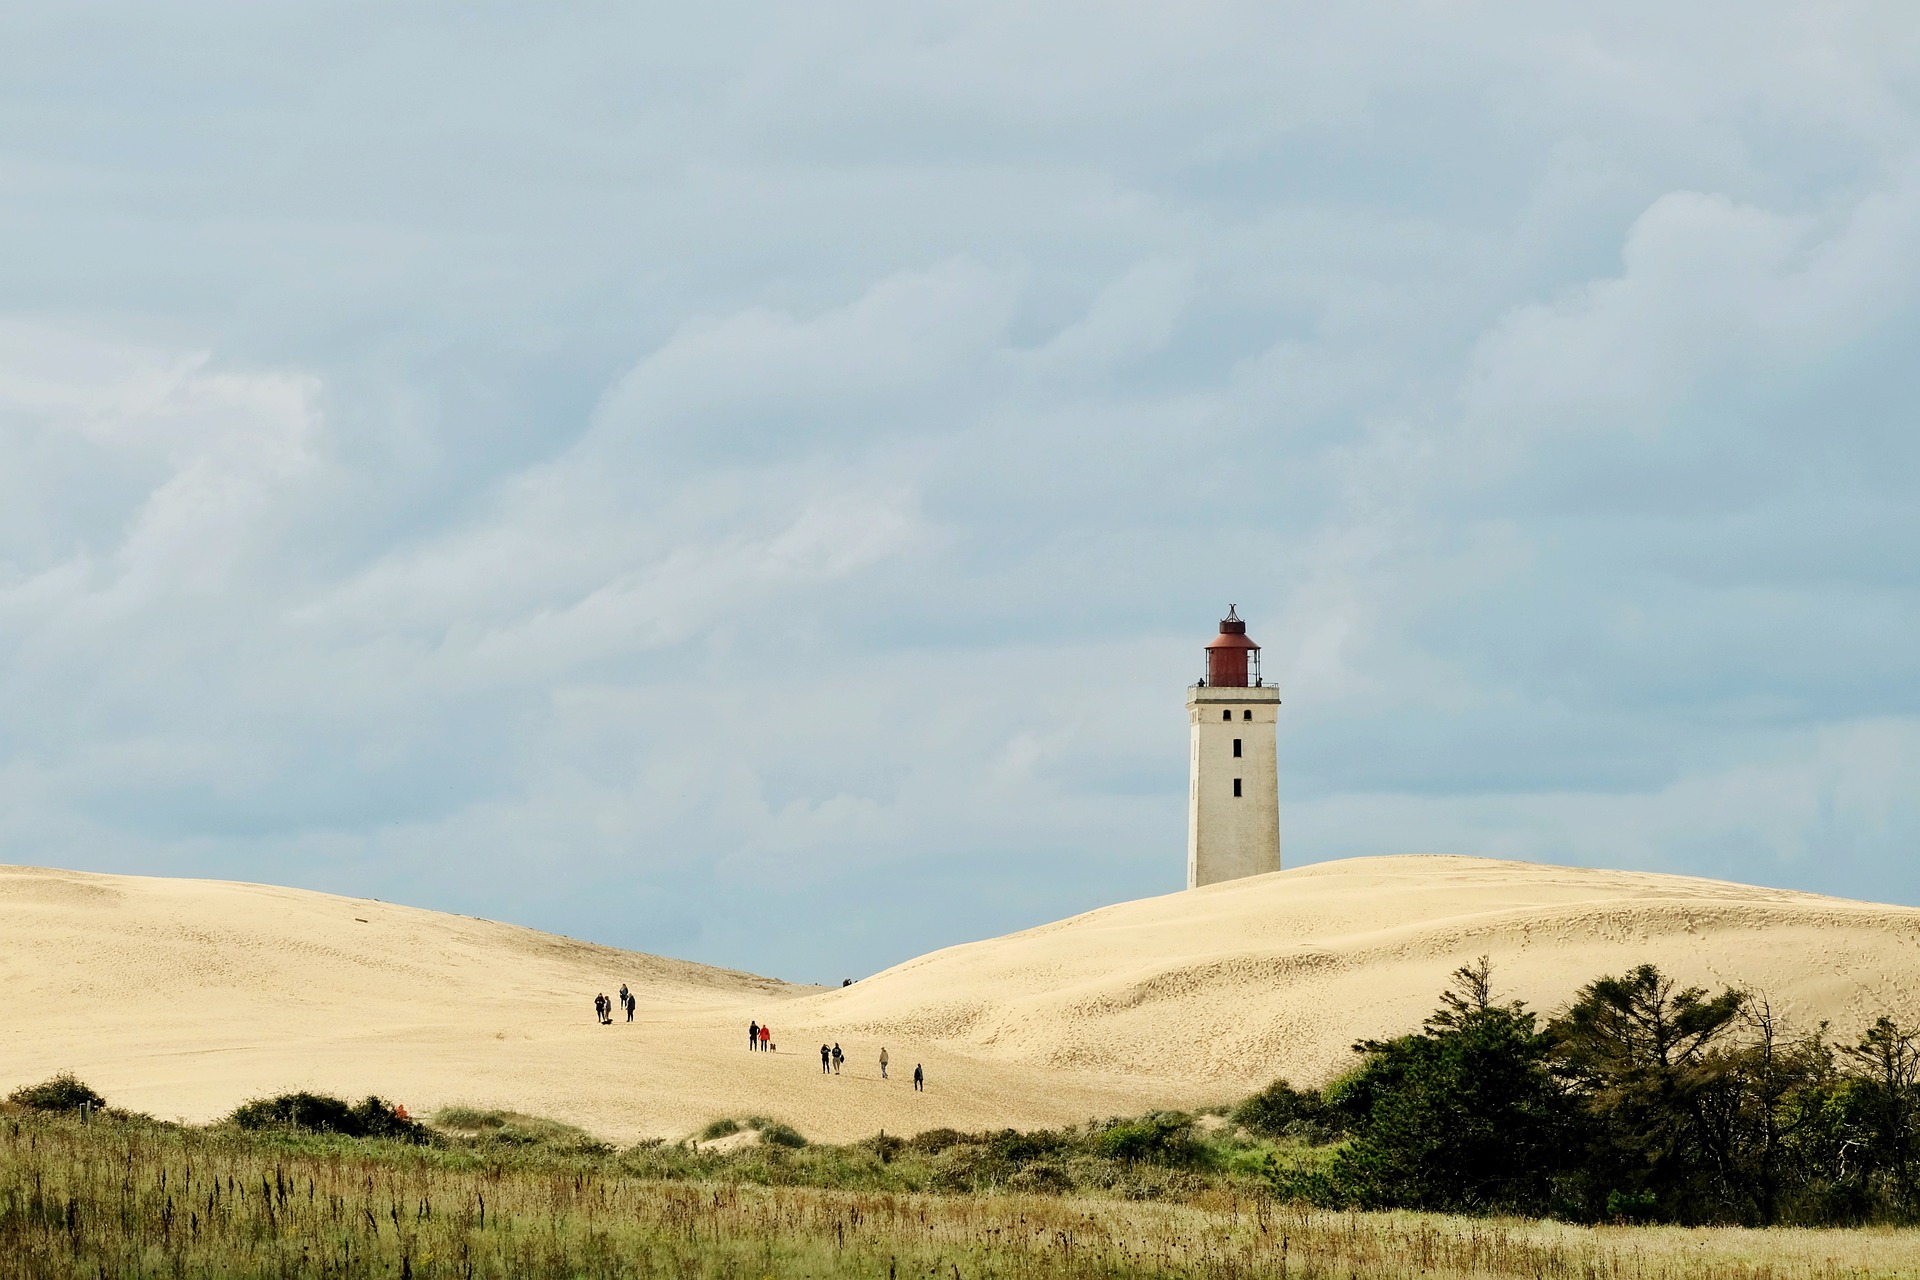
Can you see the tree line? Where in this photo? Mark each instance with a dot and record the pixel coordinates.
(1644, 1101)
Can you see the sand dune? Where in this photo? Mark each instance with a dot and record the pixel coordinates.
(182, 997)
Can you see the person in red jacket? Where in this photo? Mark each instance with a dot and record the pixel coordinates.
(766, 1037)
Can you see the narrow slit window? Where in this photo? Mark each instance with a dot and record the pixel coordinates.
(1236, 787)
(1236, 746)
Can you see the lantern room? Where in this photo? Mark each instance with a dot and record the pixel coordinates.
(1233, 661)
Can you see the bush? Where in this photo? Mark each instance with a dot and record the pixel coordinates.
(719, 1129)
(934, 1141)
(1018, 1148)
(489, 1130)
(1282, 1111)
(62, 1093)
(1161, 1137)
(1632, 1206)
(1041, 1178)
(315, 1111)
(780, 1135)
(318, 1113)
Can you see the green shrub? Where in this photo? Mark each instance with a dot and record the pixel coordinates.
(483, 1130)
(1042, 1178)
(780, 1135)
(719, 1129)
(1282, 1111)
(318, 1113)
(62, 1093)
(1160, 1137)
(1632, 1206)
(314, 1111)
(934, 1141)
(968, 1166)
(1018, 1148)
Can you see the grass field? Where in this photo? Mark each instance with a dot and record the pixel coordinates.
(504, 1196)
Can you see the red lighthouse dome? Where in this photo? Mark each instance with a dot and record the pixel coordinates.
(1231, 656)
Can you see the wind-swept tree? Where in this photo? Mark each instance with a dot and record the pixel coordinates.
(1642, 1055)
(1463, 1116)
(1884, 1104)
(1765, 1109)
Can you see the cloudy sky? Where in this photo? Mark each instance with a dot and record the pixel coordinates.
(752, 482)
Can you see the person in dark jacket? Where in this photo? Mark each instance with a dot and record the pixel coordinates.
(838, 1058)
(753, 1035)
(919, 1079)
(826, 1060)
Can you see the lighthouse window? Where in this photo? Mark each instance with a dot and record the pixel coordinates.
(1246, 715)
(1226, 715)
(1236, 786)
(1236, 746)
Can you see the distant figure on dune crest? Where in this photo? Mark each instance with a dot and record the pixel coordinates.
(883, 1062)
(766, 1039)
(753, 1035)
(826, 1060)
(838, 1058)
(919, 1079)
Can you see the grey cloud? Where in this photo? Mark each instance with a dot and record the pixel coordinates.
(753, 484)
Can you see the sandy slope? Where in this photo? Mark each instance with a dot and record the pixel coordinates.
(182, 997)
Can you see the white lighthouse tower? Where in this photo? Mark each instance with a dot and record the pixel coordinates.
(1233, 809)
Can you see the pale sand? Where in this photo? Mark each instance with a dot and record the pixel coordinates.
(184, 997)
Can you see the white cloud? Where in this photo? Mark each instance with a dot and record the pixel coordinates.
(1709, 289)
(587, 467)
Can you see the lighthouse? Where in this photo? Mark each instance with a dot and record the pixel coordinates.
(1233, 807)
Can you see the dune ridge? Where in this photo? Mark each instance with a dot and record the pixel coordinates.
(182, 997)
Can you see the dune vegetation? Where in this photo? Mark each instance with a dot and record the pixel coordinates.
(220, 992)
(1649, 1130)
(497, 1195)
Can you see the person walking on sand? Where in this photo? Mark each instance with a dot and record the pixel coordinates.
(826, 1060)
(838, 1058)
(623, 995)
(919, 1079)
(632, 1002)
(753, 1035)
(766, 1038)
(883, 1062)
(600, 1007)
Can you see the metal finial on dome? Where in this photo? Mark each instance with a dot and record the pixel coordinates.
(1231, 625)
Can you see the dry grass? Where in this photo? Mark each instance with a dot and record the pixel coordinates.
(128, 1198)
